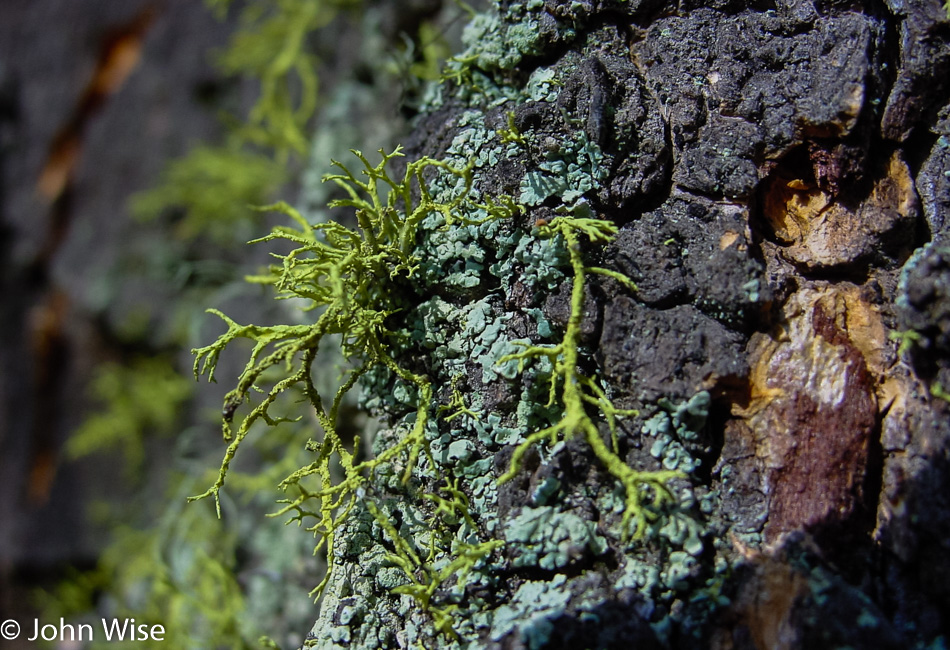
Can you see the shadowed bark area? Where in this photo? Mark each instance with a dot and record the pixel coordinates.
(779, 176)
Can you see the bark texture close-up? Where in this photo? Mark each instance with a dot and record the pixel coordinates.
(779, 177)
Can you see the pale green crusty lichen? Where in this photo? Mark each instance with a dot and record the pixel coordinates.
(530, 612)
(567, 173)
(551, 539)
(497, 41)
(672, 425)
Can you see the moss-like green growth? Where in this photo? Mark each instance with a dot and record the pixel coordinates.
(457, 404)
(578, 392)
(511, 133)
(906, 339)
(348, 275)
(424, 576)
(937, 390)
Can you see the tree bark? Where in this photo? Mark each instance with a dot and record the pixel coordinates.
(778, 173)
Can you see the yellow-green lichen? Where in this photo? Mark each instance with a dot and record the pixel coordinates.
(426, 576)
(347, 275)
(576, 392)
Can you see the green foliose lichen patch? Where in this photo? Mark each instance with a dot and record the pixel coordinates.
(530, 611)
(568, 173)
(550, 539)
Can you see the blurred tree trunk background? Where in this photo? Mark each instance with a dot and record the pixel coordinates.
(95, 98)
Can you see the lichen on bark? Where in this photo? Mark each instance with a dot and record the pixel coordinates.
(760, 172)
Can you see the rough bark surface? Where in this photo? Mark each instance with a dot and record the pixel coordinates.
(779, 173)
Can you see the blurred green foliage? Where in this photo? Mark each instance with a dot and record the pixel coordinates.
(211, 583)
(137, 400)
(416, 64)
(180, 573)
(212, 187)
(271, 47)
